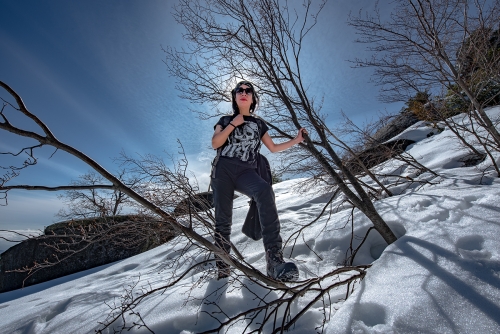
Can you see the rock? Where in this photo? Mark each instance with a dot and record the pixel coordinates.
(82, 245)
(379, 149)
(198, 203)
(377, 154)
(398, 124)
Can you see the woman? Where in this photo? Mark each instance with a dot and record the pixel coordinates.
(238, 139)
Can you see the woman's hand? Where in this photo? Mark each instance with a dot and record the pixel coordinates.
(299, 138)
(238, 120)
(220, 135)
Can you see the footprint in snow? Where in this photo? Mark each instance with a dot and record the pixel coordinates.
(471, 248)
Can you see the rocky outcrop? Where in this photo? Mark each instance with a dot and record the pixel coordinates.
(398, 124)
(69, 247)
(380, 148)
(377, 154)
(199, 202)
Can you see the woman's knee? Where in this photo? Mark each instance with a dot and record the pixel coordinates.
(265, 191)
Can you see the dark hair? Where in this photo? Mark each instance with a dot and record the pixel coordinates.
(255, 97)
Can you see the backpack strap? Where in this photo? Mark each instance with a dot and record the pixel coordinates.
(225, 122)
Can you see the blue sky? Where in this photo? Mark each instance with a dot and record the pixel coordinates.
(93, 71)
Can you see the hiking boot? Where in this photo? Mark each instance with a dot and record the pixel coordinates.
(223, 269)
(278, 269)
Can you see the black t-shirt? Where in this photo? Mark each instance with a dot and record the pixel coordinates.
(244, 142)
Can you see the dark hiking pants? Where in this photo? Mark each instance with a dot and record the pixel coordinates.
(230, 177)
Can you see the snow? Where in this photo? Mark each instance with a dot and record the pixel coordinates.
(441, 276)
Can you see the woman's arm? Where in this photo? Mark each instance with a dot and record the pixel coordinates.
(220, 136)
(268, 141)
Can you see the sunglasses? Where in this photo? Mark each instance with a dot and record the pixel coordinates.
(246, 90)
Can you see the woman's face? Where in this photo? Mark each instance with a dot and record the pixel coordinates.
(244, 96)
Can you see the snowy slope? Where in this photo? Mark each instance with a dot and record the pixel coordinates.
(441, 276)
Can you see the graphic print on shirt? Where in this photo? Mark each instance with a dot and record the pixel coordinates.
(243, 142)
